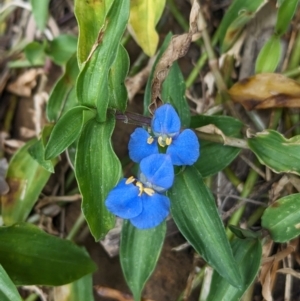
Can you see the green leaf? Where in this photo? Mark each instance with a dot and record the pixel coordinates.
(215, 156)
(26, 178)
(269, 56)
(244, 233)
(79, 290)
(8, 291)
(144, 15)
(147, 95)
(35, 53)
(40, 12)
(117, 75)
(173, 92)
(277, 152)
(61, 48)
(139, 253)
(98, 170)
(59, 97)
(247, 253)
(282, 218)
(82, 289)
(67, 130)
(93, 81)
(90, 16)
(285, 15)
(236, 17)
(196, 216)
(37, 150)
(32, 257)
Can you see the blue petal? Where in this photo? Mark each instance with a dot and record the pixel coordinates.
(166, 121)
(138, 146)
(185, 149)
(155, 209)
(157, 172)
(124, 201)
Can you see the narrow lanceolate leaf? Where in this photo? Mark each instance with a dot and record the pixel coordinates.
(79, 290)
(277, 152)
(93, 81)
(66, 131)
(117, 75)
(247, 253)
(144, 15)
(195, 214)
(215, 156)
(269, 56)
(139, 252)
(90, 16)
(32, 257)
(282, 218)
(40, 12)
(26, 179)
(173, 92)
(8, 291)
(285, 15)
(59, 95)
(97, 171)
(236, 17)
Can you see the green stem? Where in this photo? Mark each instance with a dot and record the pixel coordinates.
(178, 16)
(293, 72)
(78, 224)
(295, 55)
(275, 118)
(259, 124)
(255, 216)
(248, 187)
(234, 180)
(196, 70)
(32, 297)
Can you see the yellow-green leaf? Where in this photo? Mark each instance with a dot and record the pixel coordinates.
(144, 15)
(90, 16)
(277, 152)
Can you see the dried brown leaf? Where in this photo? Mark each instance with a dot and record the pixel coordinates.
(24, 83)
(177, 48)
(289, 271)
(269, 269)
(266, 90)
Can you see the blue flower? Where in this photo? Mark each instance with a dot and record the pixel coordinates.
(183, 147)
(140, 200)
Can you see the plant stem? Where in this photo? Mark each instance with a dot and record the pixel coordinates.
(255, 216)
(248, 186)
(235, 181)
(177, 15)
(195, 72)
(231, 141)
(79, 222)
(32, 297)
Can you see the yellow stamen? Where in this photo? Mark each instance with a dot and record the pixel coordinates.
(161, 141)
(169, 140)
(149, 191)
(150, 140)
(140, 186)
(130, 180)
